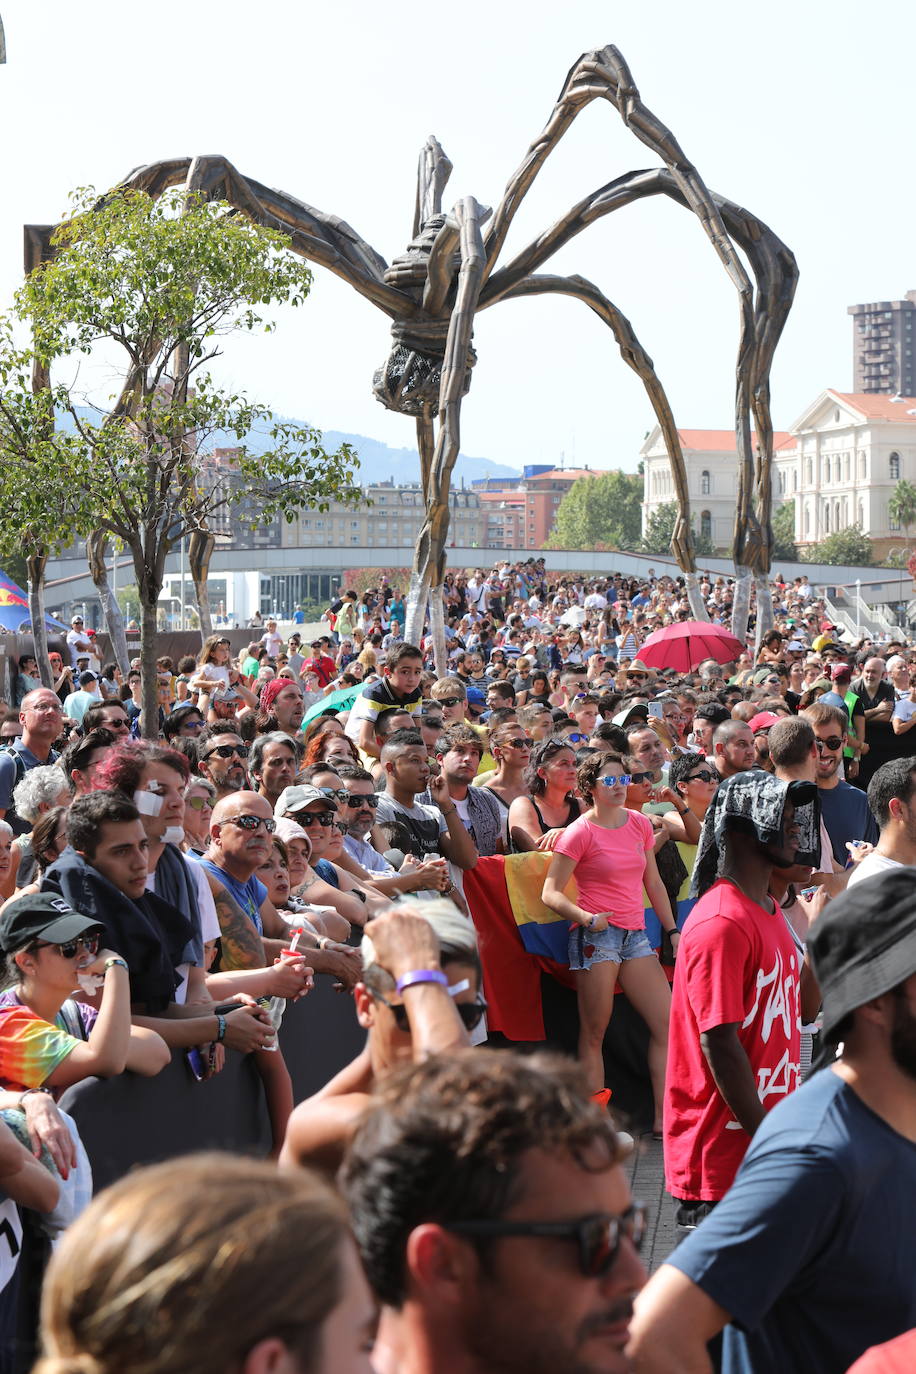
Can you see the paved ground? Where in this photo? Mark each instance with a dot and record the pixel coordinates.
(647, 1180)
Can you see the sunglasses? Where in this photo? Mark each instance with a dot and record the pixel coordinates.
(324, 818)
(432, 724)
(521, 743)
(370, 799)
(192, 724)
(225, 751)
(638, 677)
(198, 803)
(340, 794)
(576, 737)
(598, 1237)
(622, 780)
(83, 944)
(641, 777)
(252, 823)
(833, 743)
(703, 776)
(449, 701)
(470, 1012)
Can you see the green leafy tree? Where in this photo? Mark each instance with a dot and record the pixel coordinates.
(850, 547)
(901, 508)
(660, 529)
(600, 512)
(784, 545)
(157, 284)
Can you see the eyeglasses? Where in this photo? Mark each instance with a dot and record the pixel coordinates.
(833, 743)
(704, 775)
(252, 823)
(83, 944)
(369, 799)
(449, 701)
(598, 1237)
(324, 818)
(622, 780)
(340, 794)
(470, 1012)
(198, 803)
(521, 743)
(225, 751)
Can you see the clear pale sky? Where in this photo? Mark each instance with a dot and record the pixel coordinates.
(802, 112)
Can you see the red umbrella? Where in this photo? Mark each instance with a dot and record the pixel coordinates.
(684, 645)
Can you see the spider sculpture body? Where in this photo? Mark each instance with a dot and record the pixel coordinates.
(451, 270)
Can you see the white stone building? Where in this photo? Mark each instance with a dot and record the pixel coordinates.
(847, 454)
(710, 457)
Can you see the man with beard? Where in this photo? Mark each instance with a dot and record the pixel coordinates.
(281, 707)
(223, 759)
(495, 1222)
(847, 815)
(734, 1046)
(274, 763)
(808, 1261)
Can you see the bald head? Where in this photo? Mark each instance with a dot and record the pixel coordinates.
(241, 804)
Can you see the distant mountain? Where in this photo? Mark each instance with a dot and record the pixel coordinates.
(377, 462)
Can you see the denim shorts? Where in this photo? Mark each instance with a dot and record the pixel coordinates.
(614, 945)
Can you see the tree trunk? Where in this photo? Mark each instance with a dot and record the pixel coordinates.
(200, 551)
(36, 563)
(742, 603)
(149, 718)
(96, 550)
(698, 609)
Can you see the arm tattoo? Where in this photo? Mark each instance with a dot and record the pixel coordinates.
(241, 943)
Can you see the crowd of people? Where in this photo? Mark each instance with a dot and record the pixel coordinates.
(731, 848)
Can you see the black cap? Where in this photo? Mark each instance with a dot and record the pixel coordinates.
(863, 944)
(42, 916)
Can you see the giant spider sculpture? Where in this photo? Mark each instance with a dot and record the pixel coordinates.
(449, 272)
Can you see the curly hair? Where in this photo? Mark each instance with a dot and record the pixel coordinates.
(592, 768)
(445, 1141)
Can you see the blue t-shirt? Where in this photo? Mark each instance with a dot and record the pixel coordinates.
(847, 816)
(813, 1249)
(249, 895)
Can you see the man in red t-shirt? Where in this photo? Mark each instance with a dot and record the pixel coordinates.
(320, 663)
(733, 1048)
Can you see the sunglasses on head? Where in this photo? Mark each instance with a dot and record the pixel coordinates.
(833, 743)
(470, 1012)
(370, 799)
(225, 751)
(325, 818)
(83, 944)
(252, 823)
(198, 803)
(597, 1237)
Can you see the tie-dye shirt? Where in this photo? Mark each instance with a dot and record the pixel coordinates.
(30, 1048)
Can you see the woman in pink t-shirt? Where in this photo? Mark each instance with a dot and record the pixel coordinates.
(611, 852)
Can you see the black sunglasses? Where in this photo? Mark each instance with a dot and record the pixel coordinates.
(252, 823)
(370, 799)
(470, 1012)
(704, 775)
(433, 724)
(226, 751)
(324, 818)
(88, 944)
(833, 743)
(598, 1237)
(449, 701)
(641, 777)
(340, 794)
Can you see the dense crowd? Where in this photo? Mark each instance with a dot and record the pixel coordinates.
(732, 847)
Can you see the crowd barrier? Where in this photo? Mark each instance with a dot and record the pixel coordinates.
(128, 1120)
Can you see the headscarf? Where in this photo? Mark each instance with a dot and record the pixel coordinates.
(270, 691)
(758, 799)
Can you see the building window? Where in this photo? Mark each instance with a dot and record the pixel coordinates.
(894, 466)
(705, 524)
(705, 483)
(795, 479)
(861, 515)
(863, 467)
(809, 472)
(826, 517)
(846, 465)
(807, 521)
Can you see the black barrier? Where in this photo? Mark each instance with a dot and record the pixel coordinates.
(129, 1120)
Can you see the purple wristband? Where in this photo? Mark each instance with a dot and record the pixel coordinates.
(421, 975)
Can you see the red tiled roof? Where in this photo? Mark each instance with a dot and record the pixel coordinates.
(875, 407)
(564, 475)
(722, 440)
